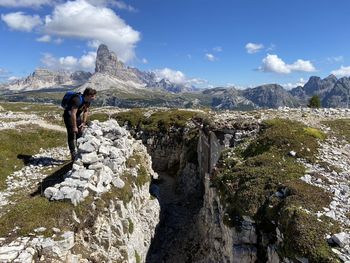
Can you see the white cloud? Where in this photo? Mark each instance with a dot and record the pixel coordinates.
(25, 3)
(3, 71)
(217, 49)
(341, 72)
(289, 85)
(58, 41)
(122, 5)
(302, 65)
(80, 19)
(253, 47)
(13, 78)
(70, 63)
(20, 21)
(210, 57)
(118, 4)
(173, 75)
(144, 61)
(87, 61)
(272, 63)
(4, 75)
(44, 38)
(271, 47)
(336, 59)
(177, 77)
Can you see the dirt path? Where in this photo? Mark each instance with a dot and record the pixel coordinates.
(175, 239)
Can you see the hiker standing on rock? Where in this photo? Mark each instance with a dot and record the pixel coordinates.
(76, 104)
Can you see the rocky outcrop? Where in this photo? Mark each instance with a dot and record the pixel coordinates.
(270, 96)
(222, 242)
(339, 95)
(107, 63)
(228, 98)
(117, 217)
(242, 239)
(167, 85)
(44, 78)
(318, 86)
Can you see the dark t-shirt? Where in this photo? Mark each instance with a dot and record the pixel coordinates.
(75, 101)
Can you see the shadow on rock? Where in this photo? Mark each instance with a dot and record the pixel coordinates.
(54, 178)
(43, 161)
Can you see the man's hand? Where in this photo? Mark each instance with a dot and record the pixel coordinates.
(82, 126)
(75, 129)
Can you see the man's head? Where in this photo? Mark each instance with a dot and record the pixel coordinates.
(89, 94)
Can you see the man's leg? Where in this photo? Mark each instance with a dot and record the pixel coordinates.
(71, 136)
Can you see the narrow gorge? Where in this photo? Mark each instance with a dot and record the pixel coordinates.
(166, 185)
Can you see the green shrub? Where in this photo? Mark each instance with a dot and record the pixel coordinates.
(314, 102)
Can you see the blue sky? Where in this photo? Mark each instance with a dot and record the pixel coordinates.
(204, 42)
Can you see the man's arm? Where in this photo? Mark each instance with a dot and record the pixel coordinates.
(73, 116)
(85, 115)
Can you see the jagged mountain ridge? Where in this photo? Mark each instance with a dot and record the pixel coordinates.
(44, 78)
(117, 83)
(333, 92)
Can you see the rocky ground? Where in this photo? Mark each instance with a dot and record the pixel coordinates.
(333, 151)
(174, 238)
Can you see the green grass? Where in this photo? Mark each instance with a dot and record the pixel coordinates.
(27, 141)
(340, 128)
(99, 116)
(159, 121)
(137, 257)
(31, 213)
(29, 107)
(131, 226)
(286, 136)
(247, 185)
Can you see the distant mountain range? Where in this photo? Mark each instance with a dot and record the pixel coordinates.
(119, 85)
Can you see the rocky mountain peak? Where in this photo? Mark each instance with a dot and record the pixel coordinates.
(107, 61)
(331, 77)
(319, 86)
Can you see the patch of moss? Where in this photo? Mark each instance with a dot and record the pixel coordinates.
(133, 117)
(27, 141)
(137, 257)
(143, 176)
(316, 133)
(248, 187)
(285, 136)
(138, 161)
(340, 128)
(304, 235)
(256, 180)
(160, 120)
(131, 226)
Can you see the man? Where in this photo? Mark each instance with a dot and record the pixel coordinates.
(78, 104)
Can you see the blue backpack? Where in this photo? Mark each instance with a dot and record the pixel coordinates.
(65, 103)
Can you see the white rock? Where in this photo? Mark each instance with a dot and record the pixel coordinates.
(89, 158)
(292, 153)
(341, 238)
(50, 192)
(117, 182)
